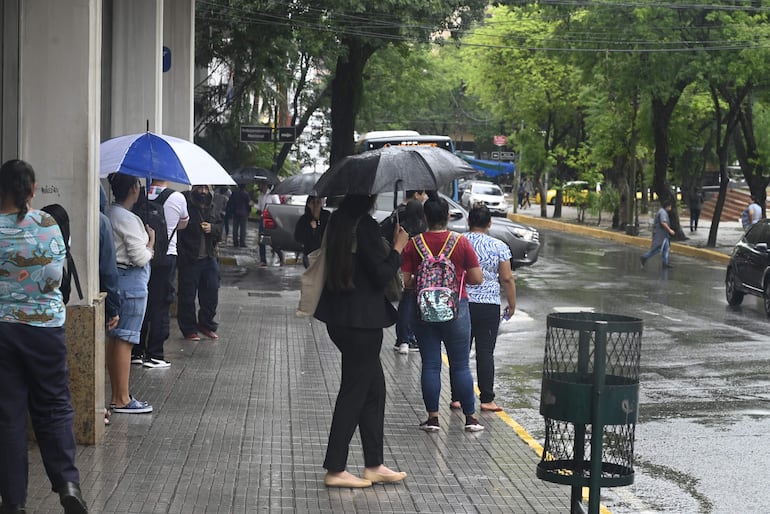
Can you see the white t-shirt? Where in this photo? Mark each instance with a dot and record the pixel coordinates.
(267, 198)
(175, 210)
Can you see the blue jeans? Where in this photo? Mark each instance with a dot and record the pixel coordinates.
(407, 317)
(664, 248)
(456, 335)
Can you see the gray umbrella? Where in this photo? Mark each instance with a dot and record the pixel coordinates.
(251, 175)
(301, 184)
(403, 167)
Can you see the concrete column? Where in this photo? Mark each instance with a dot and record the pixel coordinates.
(9, 78)
(137, 45)
(178, 85)
(58, 133)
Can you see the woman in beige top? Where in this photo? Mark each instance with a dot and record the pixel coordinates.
(133, 250)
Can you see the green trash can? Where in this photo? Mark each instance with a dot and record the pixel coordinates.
(590, 400)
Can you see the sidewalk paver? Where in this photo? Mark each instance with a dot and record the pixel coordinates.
(240, 425)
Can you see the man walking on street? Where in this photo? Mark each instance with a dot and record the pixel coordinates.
(661, 235)
(161, 287)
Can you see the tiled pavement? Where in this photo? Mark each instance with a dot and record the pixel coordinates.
(240, 425)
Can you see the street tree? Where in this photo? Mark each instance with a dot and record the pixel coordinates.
(530, 90)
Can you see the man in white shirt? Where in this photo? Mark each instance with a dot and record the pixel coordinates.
(162, 284)
(266, 198)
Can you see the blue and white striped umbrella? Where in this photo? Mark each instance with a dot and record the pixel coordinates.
(157, 156)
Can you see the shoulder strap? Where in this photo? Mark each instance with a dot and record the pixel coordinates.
(74, 272)
(422, 246)
(163, 196)
(449, 247)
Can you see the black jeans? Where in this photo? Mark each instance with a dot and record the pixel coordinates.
(199, 278)
(361, 400)
(485, 322)
(161, 290)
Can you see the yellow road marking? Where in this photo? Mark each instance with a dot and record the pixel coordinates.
(524, 435)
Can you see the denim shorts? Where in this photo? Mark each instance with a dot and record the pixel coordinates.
(132, 289)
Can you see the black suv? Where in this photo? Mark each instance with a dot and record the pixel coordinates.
(749, 268)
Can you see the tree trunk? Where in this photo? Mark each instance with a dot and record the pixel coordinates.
(347, 88)
(661, 120)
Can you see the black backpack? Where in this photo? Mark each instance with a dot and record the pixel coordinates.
(59, 213)
(151, 212)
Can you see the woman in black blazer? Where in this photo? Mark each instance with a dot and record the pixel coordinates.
(355, 311)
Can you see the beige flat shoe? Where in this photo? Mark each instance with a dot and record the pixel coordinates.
(354, 482)
(384, 478)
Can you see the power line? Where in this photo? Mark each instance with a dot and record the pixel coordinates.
(369, 26)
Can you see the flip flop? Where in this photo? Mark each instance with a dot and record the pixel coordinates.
(492, 409)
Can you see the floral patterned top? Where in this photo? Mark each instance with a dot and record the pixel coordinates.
(491, 253)
(32, 255)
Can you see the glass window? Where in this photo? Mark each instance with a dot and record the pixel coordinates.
(483, 189)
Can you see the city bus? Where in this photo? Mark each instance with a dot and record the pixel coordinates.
(384, 138)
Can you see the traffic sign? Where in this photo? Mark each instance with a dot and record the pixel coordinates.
(256, 134)
(500, 140)
(286, 134)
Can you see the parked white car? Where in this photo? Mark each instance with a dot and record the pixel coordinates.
(486, 193)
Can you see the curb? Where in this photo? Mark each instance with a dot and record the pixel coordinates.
(642, 242)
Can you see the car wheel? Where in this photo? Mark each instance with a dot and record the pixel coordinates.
(766, 299)
(735, 297)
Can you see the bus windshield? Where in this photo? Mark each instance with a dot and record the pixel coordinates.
(385, 138)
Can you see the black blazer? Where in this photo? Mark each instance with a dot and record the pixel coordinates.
(373, 266)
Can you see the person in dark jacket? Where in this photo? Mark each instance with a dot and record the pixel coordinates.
(410, 215)
(198, 266)
(355, 310)
(240, 205)
(310, 227)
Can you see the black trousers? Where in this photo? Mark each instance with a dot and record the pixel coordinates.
(485, 322)
(361, 399)
(34, 377)
(161, 290)
(198, 279)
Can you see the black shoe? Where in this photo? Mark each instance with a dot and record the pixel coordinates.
(7, 508)
(667, 266)
(642, 260)
(71, 499)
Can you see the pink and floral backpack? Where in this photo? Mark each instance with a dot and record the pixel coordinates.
(438, 290)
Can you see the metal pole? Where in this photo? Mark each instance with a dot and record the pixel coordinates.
(597, 426)
(583, 358)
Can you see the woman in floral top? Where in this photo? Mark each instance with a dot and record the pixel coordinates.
(484, 300)
(34, 376)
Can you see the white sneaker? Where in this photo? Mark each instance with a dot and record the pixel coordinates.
(403, 348)
(156, 363)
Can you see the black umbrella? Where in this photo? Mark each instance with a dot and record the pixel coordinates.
(396, 167)
(301, 184)
(251, 175)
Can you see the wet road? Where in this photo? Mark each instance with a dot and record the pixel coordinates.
(701, 440)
